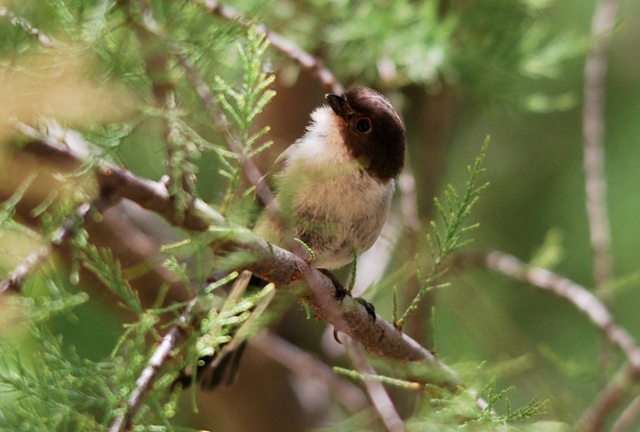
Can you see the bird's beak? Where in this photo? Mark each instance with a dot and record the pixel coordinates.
(338, 104)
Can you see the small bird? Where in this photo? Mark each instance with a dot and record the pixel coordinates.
(333, 193)
(337, 181)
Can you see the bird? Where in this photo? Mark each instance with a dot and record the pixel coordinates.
(335, 188)
(333, 193)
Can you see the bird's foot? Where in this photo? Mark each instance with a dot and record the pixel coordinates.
(371, 310)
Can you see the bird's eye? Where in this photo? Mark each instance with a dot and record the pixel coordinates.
(363, 124)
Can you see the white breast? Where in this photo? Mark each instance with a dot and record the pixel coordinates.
(333, 204)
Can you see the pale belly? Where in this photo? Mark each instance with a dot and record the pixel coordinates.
(334, 218)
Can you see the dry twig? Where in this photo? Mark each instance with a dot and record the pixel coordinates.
(376, 391)
(586, 302)
(17, 277)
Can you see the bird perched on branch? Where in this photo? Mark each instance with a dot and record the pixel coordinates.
(337, 181)
(333, 192)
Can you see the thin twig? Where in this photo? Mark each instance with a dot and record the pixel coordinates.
(307, 367)
(143, 383)
(17, 277)
(606, 401)
(26, 25)
(285, 46)
(596, 66)
(593, 128)
(249, 168)
(592, 419)
(407, 187)
(375, 389)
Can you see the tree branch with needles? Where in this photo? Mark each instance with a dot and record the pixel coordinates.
(271, 262)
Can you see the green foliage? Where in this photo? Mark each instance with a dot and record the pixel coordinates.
(488, 48)
(532, 409)
(242, 106)
(453, 217)
(101, 263)
(551, 253)
(8, 210)
(438, 412)
(74, 393)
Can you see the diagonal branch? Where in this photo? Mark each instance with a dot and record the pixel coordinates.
(611, 395)
(270, 262)
(157, 360)
(308, 367)
(628, 416)
(592, 420)
(581, 297)
(285, 46)
(17, 277)
(149, 24)
(376, 391)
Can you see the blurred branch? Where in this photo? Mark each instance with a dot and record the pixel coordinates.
(591, 306)
(596, 66)
(285, 46)
(592, 420)
(305, 365)
(595, 74)
(409, 201)
(251, 171)
(628, 416)
(376, 391)
(578, 295)
(26, 25)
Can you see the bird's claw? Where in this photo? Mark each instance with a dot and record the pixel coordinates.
(371, 310)
(341, 292)
(335, 336)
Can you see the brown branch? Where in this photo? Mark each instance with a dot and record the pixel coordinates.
(628, 416)
(306, 366)
(285, 46)
(149, 23)
(592, 420)
(596, 66)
